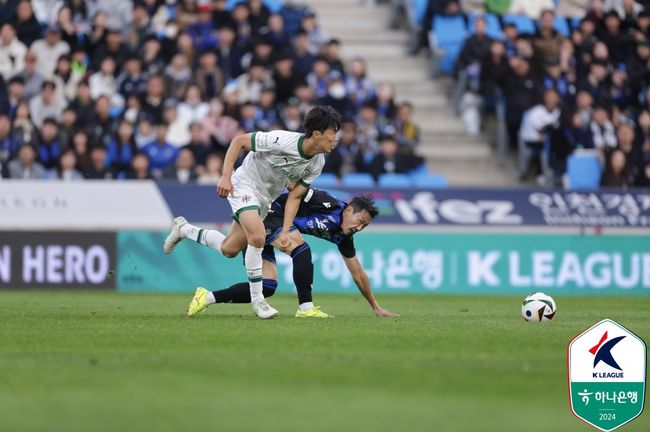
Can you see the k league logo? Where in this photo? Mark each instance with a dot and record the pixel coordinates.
(607, 375)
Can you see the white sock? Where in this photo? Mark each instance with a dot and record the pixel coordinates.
(189, 231)
(253, 262)
(305, 306)
(209, 298)
(211, 239)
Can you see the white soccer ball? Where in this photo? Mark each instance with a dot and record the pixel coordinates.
(538, 307)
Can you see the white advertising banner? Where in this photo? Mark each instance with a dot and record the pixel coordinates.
(92, 205)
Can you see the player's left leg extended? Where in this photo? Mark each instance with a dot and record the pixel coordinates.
(227, 245)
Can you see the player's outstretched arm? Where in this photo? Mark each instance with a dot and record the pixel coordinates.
(290, 209)
(363, 283)
(239, 143)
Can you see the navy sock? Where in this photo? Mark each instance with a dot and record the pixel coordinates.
(303, 272)
(240, 292)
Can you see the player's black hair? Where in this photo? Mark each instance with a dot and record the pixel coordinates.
(364, 202)
(320, 119)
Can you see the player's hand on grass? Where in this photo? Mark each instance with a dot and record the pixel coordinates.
(224, 188)
(381, 312)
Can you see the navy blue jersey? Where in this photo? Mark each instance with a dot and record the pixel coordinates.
(320, 215)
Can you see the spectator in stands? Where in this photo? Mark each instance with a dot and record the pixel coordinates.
(389, 160)
(259, 14)
(631, 146)
(16, 89)
(536, 128)
(202, 31)
(46, 104)
(359, 86)
(229, 55)
(208, 76)
(637, 70)
(25, 165)
(291, 116)
(12, 52)
(511, 34)
(27, 27)
(277, 34)
(139, 168)
(555, 79)
(584, 106)
(9, 142)
(178, 133)
(218, 128)
(132, 81)
(152, 61)
(198, 145)
(346, 156)
(320, 77)
(620, 92)
(178, 75)
(213, 170)
(102, 126)
(267, 114)
(49, 49)
(67, 167)
(338, 98)
(475, 48)
(303, 59)
(112, 47)
(49, 147)
(407, 132)
(602, 129)
(102, 82)
(80, 144)
(573, 134)
(316, 37)
(83, 104)
(332, 53)
(98, 168)
(643, 132)
(31, 77)
(368, 128)
(284, 78)
(494, 69)
(66, 79)
(121, 150)
(521, 93)
(385, 100)
(22, 123)
(161, 154)
(67, 127)
(248, 117)
(152, 101)
(192, 108)
(183, 171)
(616, 170)
(547, 40)
(249, 85)
(532, 8)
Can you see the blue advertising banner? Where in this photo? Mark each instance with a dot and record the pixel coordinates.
(461, 207)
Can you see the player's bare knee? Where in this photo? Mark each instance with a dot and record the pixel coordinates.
(256, 240)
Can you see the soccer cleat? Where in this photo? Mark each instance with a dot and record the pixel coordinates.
(263, 310)
(174, 236)
(197, 305)
(313, 312)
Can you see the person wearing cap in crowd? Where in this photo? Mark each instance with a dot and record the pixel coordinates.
(203, 30)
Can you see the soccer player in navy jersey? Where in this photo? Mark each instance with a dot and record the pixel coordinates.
(320, 215)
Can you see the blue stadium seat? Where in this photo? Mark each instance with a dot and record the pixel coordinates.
(326, 180)
(523, 23)
(360, 180)
(419, 8)
(395, 181)
(583, 170)
(449, 29)
(429, 181)
(561, 26)
(448, 36)
(492, 22)
(575, 23)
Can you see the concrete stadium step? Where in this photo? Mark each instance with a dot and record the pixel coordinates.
(455, 152)
(356, 36)
(409, 63)
(475, 172)
(374, 50)
(398, 75)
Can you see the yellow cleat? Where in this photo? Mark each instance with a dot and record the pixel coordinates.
(313, 312)
(197, 305)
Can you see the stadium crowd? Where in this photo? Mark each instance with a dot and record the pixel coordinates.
(102, 89)
(587, 89)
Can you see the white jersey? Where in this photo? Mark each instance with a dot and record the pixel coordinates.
(276, 158)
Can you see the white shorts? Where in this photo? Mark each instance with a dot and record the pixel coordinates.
(244, 198)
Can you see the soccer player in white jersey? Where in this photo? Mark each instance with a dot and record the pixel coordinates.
(276, 159)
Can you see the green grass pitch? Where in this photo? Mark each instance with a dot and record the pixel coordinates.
(132, 362)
